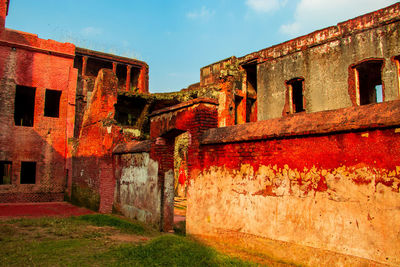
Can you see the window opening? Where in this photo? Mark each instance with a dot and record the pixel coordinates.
(379, 93)
(94, 65)
(251, 74)
(121, 75)
(128, 110)
(135, 72)
(296, 95)
(5, 172)
(238, 102)
(52, 103)
(250, 110)
(24, 106)
(369, 85)
(28, 172)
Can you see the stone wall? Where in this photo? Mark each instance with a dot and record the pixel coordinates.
(328, 180)
(324, 60)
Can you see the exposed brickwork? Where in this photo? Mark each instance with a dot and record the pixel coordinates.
(93, 166)
(43, 64)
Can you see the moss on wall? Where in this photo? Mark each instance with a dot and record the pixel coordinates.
(85, 197)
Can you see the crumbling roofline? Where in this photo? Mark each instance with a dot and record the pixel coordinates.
(336, 32)
(222, 60)
(185, 105)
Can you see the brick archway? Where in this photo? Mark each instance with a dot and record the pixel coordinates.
(194, 117)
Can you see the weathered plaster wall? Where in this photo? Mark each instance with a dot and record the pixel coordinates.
(328, 180)
(30, 61)
(137, 193)
(323, 59)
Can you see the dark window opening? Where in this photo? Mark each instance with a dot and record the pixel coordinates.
(296, 86)
(250, 110)
(251, 74)
(93, 66)
(128, 110)
(5, 172)
(238, 102)
(121, 75)
(370, 82)
(78, 62)
(28, 172)
(135, 72)
(52, 103)
(24, 108)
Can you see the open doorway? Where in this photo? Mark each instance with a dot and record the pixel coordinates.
(180, 180)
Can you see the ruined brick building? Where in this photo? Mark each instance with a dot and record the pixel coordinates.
(297, 143)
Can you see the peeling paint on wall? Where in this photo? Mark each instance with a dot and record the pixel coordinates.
(346, 209)
(137, 194)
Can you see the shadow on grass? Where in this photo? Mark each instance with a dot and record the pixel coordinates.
(168, 250)
(122, 224)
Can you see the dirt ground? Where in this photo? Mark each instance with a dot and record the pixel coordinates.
(59, 209)
(278, 253)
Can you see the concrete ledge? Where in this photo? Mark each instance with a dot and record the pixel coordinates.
(358, 118)
(133, 147)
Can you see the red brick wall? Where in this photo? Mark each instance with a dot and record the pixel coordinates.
(93, 175)
(44, 64)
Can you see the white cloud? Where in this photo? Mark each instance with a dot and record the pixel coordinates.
(264, 6)
(312, 15)
(204, 13)
(91, 31)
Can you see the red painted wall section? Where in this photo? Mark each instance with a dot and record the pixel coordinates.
(30, 61)
(328, 179)
(3, 13)
(366, 136)
(93, 176)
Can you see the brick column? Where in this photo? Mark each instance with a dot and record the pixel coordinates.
(84, 64)
(128, 77)
(115, 67)
(142, 81)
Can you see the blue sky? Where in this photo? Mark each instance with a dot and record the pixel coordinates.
(178, 37)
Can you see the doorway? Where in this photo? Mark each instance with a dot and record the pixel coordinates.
(180, 180)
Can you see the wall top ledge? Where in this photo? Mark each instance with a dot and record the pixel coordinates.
(133, 147)
(359, 118)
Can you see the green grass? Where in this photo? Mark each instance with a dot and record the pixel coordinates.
(168, 250)
(89, 241)
(122, 224)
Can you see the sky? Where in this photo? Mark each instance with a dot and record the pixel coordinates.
(178, 37)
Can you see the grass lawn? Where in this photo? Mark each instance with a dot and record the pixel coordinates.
(100, 240)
